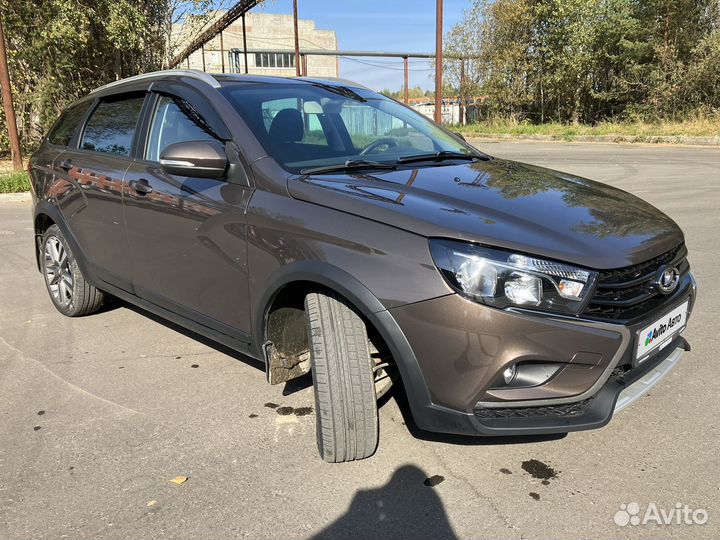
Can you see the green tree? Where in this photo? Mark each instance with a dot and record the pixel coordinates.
(589, 60)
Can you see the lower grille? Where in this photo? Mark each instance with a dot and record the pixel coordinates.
(562, 410)
(625, 293)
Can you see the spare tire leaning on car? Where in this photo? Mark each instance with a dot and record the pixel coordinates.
(345, 400)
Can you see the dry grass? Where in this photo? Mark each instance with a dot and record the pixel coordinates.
(5, 166)
(708, 127)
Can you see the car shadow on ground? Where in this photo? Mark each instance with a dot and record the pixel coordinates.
(408, 506)
(115, 303)
(304, 382)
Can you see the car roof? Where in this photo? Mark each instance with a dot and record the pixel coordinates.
(217, 80)
(224, 78)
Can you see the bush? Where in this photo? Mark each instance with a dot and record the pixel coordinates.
(14, 182)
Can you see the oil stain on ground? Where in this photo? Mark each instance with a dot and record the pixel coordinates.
(287, 411)
(505, 471)
(534, 495)
(540, 470)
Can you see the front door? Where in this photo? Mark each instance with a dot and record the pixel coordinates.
(187, 235)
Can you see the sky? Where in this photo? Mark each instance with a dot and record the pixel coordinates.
(378, 25)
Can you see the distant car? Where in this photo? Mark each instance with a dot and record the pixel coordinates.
(318, 226)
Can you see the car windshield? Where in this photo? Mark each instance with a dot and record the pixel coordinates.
(308, 125)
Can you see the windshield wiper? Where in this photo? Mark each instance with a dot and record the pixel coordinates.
(343, 91)
(440, 156)
(349, 165)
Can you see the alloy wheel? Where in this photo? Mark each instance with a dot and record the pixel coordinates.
(57, 271)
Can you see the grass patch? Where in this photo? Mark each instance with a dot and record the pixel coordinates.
(629, 131)
(14, 182)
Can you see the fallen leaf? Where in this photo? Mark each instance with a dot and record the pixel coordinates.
(151, 503)
(179, 480)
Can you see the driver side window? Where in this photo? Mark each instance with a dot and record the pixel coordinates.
(171, 125)
(369, 124)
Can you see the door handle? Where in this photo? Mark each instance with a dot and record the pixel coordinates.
(141, 186)
(65, 165)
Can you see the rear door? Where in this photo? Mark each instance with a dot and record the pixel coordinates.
(61, 134)
(94, 170)
(187, 235)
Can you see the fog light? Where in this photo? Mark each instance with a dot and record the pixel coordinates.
(509, 373)
(527, 374)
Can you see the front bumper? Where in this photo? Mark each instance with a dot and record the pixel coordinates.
(461, 346)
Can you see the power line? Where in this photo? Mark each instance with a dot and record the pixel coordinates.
(365, 62)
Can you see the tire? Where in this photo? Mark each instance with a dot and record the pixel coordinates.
(69, 291)
(345, 401)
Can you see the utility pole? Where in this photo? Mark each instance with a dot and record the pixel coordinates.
(297, 39)
(8, 104)
(462, 91)
(245, 43)
(222, 53)
(407, 79)
(438, 59)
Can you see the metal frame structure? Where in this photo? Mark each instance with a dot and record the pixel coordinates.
(304, 53)
(243, 6)
(232, 14)
(237, 11)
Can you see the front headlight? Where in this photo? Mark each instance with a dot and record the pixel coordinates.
(501, 279)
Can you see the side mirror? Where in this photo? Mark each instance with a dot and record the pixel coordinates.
(199, 159)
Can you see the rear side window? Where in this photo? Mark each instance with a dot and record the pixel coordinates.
(111, 126)
(64, 129)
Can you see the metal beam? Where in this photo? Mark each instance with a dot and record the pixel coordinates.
(462, 92)
(222, 50)
(438, 60)
(327, 52)
(297, 39)
(245, 49)
(8, 104)
(407, 78)
(218, 26)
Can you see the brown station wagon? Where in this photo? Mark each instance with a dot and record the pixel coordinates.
(320, 227)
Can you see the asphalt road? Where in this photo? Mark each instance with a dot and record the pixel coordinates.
(98, 414)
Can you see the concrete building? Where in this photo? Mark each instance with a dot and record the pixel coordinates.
(265, 31)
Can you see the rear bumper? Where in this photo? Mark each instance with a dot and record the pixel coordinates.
(460, 347)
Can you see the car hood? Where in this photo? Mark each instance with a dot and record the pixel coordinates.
(505, 204)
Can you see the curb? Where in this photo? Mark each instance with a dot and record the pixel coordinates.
(608, 139)
(16, 197)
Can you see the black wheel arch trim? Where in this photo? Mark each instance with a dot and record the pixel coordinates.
(369, 306)
(46, 207)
